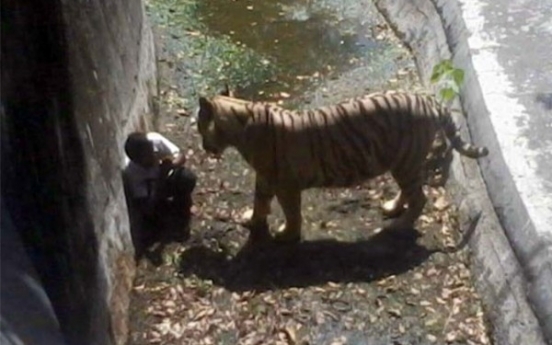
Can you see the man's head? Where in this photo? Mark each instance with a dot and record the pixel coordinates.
(140, 150)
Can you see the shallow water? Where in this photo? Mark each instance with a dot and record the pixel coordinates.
(307, 40)
(266, 48)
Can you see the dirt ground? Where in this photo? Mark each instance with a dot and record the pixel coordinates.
(345, 284)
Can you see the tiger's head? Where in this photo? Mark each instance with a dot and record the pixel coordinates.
(218, 122)
(212, 138)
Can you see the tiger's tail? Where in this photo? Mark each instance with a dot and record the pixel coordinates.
(452, 133)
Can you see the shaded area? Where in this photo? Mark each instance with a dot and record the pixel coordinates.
(545, 99)
(43, 167)
(271, 266)
(150, 239)
(27, 316)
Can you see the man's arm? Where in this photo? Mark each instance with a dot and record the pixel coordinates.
(179, 159)
(172, 155)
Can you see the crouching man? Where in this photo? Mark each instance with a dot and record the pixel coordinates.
(158, 186)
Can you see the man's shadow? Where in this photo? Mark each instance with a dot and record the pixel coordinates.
(150, 238)
(271, 266)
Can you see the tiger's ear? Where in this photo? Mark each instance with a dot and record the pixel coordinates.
(205, 108)
(226, 91)
(204, 103)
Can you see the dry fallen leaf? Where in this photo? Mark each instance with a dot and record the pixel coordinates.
(431, 338)
(182, 112)
(290, 335)
(451, 336)
(441, 203)
(339, 341)
(394, 312)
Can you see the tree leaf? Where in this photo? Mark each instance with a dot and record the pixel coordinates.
(447, 94)
(458, 75)
(436, 75)
(447, 64)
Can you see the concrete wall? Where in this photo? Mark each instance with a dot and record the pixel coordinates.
(76, 78)
(433, 30)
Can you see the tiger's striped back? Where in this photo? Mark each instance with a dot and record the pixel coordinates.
(342, 144)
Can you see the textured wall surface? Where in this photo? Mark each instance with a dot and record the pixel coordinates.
(74, 83)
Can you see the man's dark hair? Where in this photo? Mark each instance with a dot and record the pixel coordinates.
(136, 144)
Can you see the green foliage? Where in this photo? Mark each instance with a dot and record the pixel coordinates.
(207, 59)
(226, 61)
(447, 79)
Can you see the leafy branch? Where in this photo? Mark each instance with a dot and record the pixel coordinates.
(447, 80)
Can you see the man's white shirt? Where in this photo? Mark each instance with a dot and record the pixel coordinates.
(142, 181)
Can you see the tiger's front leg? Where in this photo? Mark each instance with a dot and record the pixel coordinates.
(413, 195)
(290, 201)
(258, 224)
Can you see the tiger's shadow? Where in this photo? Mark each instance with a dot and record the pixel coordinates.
(309, 263)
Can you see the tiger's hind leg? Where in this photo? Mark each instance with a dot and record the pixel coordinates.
(394, 207)
(258, 224)
(290, 201)
(411, 188)
(438, 162)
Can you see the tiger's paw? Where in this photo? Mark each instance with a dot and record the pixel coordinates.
(391, 209)
(287, 237)
(258, 237)
(255, 224)
(258, 231)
